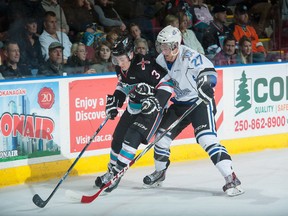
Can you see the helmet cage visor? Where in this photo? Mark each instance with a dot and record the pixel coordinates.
(117, 60)
(165, 48)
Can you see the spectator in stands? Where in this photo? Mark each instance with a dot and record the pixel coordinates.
(260, 12)
(136, 33)
(52, 5)
(30, 47)
(112, 36)
(77, 63)
(245, 54)
(242, 28)
(12, 67)
(92, 36)
(216, 32)
(141, 46)
(227, 56)
(166, 7)
(201, 18)
(107, 15)
(172, 20)
(19, 10)
(79, 14)
(54, 65)
(50, 34)
(103, 58)
(188, 36)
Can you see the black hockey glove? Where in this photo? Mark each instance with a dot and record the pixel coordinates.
(205, 90)
(111, 107)
(150, 105)
(141, 92)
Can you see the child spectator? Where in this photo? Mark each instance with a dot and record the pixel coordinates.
(172, 20)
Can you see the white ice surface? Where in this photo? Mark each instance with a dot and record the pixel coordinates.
(191, 188)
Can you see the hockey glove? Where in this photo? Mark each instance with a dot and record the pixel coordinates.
(111, 107)
(205, 89)
(150, 105)
(140, 92)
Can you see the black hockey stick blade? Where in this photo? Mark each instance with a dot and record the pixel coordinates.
(89, 199)
(37, 200)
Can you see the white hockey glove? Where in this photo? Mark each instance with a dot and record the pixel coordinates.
(150, 105)
(205, 90)
(111, 107)
(141, 92)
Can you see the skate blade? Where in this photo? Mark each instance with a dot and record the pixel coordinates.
(238, 190)
(155, 185)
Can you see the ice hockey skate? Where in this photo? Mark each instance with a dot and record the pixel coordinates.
(155, 179)
(233, 186)
(115, 170)
(102, 180)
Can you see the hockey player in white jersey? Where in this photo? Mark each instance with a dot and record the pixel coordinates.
(194, 76)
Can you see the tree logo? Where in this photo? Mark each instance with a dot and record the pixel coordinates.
(242, 94)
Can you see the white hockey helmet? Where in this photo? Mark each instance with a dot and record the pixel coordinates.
(169, 35)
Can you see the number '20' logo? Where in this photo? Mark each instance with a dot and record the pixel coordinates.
(46, 98)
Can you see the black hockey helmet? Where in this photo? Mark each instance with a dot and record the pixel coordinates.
(122, 46)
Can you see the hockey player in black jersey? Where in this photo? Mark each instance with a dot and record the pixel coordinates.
(148, 88)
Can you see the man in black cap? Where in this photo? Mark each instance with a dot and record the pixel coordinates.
(54, 64)
(216, 32)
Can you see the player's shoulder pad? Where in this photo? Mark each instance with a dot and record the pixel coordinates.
(143, 60)
(187, 54)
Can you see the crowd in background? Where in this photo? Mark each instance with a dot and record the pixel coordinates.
(52, 37)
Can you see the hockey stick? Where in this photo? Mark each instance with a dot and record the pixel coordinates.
(42, 203)
(89, 199)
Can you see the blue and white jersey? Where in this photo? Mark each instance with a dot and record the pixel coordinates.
(186, 69)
